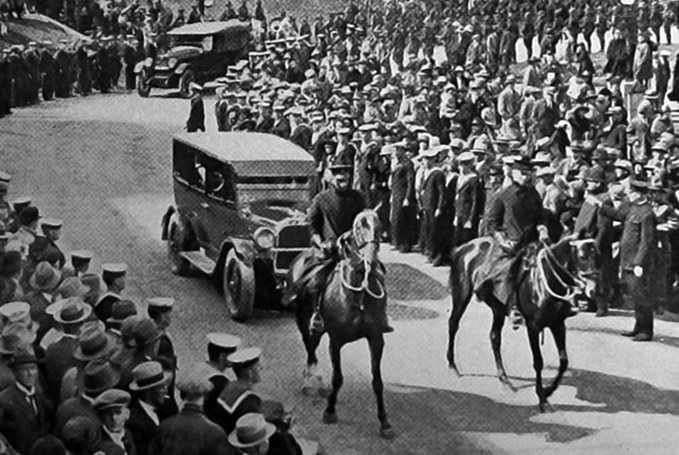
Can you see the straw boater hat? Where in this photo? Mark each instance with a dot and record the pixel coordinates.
(251, 430)
(73, 311)
(147, 375)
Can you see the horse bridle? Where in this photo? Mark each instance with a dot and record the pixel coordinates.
(545, 255)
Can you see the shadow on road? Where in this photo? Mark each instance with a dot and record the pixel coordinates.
(466, 412)
(405, 283)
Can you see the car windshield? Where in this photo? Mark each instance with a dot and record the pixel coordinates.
(188, 40)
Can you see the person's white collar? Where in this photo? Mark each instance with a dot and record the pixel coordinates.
(150, 411)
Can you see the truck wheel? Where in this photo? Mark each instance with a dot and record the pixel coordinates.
(177, 241)
(143, 86)
(184, 82)
(239, 287)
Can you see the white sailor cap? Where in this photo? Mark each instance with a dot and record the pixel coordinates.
(224, 341)
(118, 268)
(84, 255)
(245, 357)
(52, 223)
(160, 302)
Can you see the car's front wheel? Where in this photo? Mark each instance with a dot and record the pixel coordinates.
(177, 241)
(239, 287)
(143, 85)
(185, 83)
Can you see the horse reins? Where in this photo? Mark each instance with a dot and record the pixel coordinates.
(540, 277)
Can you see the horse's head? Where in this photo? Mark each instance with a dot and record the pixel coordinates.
(576, 255)
(366, 236)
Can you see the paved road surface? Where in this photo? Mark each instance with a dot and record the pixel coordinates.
(103, 164)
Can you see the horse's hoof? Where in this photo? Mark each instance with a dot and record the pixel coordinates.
(454, 369)
(329, 418)
(387, 433)
(546, 407)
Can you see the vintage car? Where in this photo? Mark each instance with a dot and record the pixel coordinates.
(239, 213)
(199, 52)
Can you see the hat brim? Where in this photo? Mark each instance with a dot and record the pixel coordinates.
(49, 286)
(233, 437)
(110, 345)
(24, 361)
(86, 314)
(136, 388)
(113, 380)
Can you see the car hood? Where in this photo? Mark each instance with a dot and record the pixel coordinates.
(275, 210)
(183, 52)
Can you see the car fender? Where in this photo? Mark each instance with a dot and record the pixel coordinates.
(165, 222)
(181, 68)
(139, 67)
(244, 249)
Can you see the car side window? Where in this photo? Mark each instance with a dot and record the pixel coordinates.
(186, 167)
(219, 181)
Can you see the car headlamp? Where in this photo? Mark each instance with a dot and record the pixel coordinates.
(172, 62)
(264, 238)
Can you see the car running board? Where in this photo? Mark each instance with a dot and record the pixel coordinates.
(199, 261)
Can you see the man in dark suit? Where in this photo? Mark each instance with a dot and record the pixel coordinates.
(45, 281)
(467, 203)
(146, 337)
(433, 189)
(149, 386)
(402, 217)
(112, 407)
(99, 376)
(196, 120)
(190, 431)
(160, 311)
(45, 247)
(24, 411)
(47, 71)
(59, 355)
(281, 126)
(264, 122)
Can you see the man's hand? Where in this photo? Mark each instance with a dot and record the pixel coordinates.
(468, 225)
(638, 271)
(543, 234)
(437, 213)
(406, 202)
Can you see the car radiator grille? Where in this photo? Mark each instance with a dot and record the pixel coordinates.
(291, 241)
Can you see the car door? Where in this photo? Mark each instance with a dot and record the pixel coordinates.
(189, 188)
(220, 212)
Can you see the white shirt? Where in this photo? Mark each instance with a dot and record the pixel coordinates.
(150, 411)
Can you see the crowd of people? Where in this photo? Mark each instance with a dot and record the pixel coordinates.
(85, 370)
(434, 143)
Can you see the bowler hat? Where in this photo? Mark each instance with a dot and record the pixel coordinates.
(45, 277)
(146, 332)
(147, 375)
(12, 336)
(93, 342)
(11, 262)
(99, 375)
(22, 355)
(29, 215)
(121, 310)
(251, 430)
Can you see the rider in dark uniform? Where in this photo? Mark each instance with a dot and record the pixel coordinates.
(515, 220)
(331, 214)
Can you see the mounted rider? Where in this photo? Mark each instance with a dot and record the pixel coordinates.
(515, 220)
(331, 214)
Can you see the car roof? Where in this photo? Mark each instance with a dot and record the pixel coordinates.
(209, 28)
(253, 154)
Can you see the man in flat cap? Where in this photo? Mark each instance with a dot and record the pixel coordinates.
(113, 407)
(190, 431)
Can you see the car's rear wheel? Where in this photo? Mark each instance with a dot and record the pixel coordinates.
(184, 83)
(177, 241)
(239, 287)
(143, 85)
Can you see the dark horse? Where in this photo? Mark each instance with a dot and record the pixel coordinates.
(545, 281)
(354, 292)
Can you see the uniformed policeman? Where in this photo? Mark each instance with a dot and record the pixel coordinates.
(45, 247)
(636, 252)
(196, 120)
